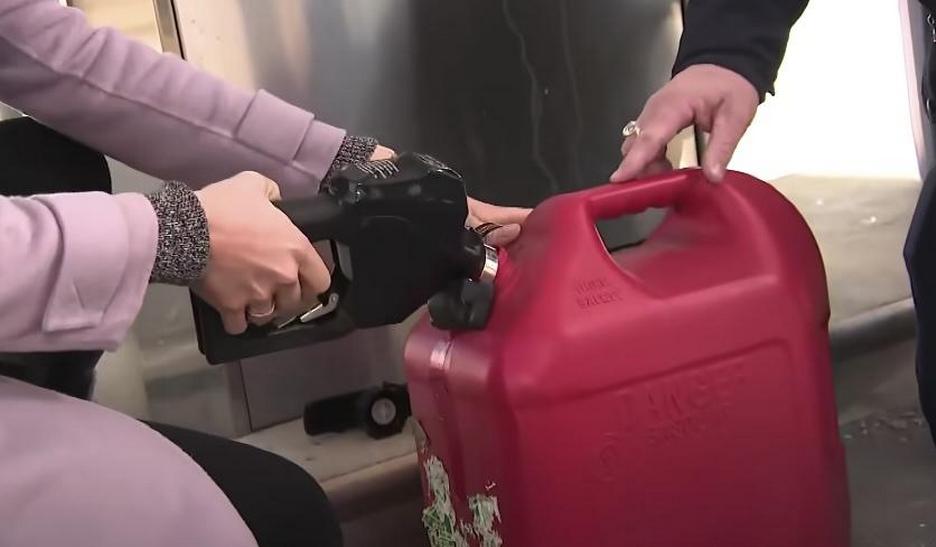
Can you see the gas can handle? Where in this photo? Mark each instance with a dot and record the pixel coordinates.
(613, 200)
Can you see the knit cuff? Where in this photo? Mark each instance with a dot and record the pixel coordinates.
(183, 242)
(353, 150)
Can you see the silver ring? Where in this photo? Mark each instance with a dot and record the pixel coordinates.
(631, 130)
(263, 315)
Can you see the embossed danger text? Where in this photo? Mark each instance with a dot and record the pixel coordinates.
(595, 292)
(682, 405)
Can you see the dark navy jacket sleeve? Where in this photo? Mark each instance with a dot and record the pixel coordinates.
(746, 36)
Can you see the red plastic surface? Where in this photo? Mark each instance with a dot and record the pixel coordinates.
(678, 393)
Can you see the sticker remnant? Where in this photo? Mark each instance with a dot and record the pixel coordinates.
(485, 511)
(439, 517)
(442, 524)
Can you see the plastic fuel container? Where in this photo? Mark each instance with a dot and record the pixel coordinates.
(677, 393)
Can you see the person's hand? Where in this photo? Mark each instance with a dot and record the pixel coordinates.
(382, 153)
(499, 225)
(717, 100)
(260, 265)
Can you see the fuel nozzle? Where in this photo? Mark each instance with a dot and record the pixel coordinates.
(480, 259)
(466, 303)
(489, 263)
(397, 234)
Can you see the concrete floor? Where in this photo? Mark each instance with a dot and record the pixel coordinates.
(860, 225)
(893, 480)
(891, 459)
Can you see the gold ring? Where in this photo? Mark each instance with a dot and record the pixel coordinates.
(631, 130)
(264, 315)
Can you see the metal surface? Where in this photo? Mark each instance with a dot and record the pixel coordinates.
(524, 98)
(320, 310)
(167, 26)
(917, 37)
(491, 262)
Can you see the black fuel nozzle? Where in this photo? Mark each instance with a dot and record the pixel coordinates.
(466, 303)
(398, 240)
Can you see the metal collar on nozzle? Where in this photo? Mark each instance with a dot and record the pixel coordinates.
(466, 303)
(489, 270)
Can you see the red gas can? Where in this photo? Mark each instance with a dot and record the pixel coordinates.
(676, 394)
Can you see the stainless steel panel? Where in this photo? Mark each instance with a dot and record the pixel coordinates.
(917, 37)
(166, 26)
(526, 98)
(278, 386)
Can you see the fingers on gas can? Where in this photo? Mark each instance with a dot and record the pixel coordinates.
(494, 234)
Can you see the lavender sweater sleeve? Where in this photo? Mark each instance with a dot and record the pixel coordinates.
(73, 269)
(152, 111)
